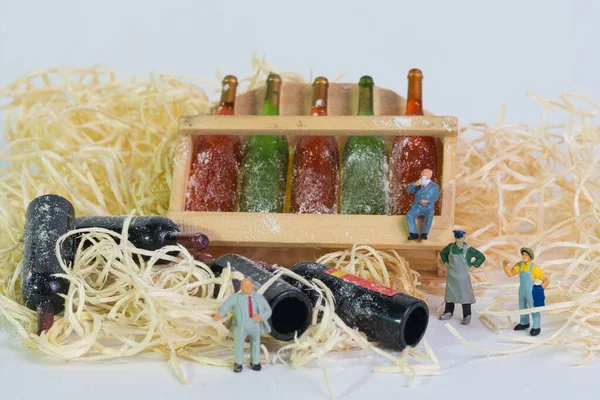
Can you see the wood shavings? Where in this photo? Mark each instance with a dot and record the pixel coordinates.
(107, 145)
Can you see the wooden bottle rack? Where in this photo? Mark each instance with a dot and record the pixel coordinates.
(285, 238)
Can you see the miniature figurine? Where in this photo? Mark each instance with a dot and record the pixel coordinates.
(530, 294)
(458, 258)
(251, 311)
(426, 193)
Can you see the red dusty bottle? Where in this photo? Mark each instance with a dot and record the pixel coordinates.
(411, 154)
(213, 181)
(316, 160)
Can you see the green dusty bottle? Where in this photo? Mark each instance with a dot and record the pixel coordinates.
(265, 162)
(364, 164)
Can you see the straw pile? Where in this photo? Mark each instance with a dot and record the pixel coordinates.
(87, 136)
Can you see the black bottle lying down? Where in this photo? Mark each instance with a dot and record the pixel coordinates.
(48, 217)
(383, 314)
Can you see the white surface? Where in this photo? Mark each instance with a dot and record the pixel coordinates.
(475, 56)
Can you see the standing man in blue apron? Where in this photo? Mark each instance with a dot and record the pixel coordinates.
(458, 257)
(251, 313)
(530, 294)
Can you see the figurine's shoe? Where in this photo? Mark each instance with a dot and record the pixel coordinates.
(445, 316)
(535, 331)
(466, 320)
(424, 237)
(256, 367)
(521, 327)
(237, 367)
(413, 236)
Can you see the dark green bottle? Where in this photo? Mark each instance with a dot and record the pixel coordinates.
(364, 162)
(265, 162)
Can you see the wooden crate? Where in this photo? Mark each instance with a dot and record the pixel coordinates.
(289, 238)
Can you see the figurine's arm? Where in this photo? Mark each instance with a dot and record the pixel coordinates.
(435, 194)
(412, 188)
(264, 308)
(477, 255)
(225, 307)
(538, 273)
(510, 272)
(444, 253)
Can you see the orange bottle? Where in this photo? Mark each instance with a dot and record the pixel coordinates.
(316, 160)
(213, 181)
(411, 154)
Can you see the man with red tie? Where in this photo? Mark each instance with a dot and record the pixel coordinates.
(251, 313)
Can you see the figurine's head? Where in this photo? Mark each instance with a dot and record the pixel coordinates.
(426, 176)
(246, 286)
(527, 254)
(460, 237)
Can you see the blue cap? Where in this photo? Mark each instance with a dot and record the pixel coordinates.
(459, 234)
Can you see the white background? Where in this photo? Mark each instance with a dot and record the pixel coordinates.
(475, 56)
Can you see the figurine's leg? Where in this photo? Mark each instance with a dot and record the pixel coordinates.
(255, 347)
(523, 306)
(448, 311)
(238, 348)
(466, 314)
(411, 216)
(427, 224)
(524, 322)
(535, 329)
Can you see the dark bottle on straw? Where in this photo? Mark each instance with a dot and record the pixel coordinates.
(47, 218)
(383, 314)
(146, 232)
(292, 309)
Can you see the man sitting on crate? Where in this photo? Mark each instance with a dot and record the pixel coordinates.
(426, 194)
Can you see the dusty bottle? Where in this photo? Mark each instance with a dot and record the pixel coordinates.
(213, 181)
(47, 218)
(364, 165)
(383, 314)
(146, 232)
(265, 162)
(291, 308)
(411, 154)
(315, 170)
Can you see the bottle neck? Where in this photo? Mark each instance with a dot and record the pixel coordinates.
(228, 92)
(196, 241)
(365, 100)
(414, 99)
(271, 104)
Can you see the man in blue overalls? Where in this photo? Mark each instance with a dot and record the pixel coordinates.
(426, 194)
(530, 294)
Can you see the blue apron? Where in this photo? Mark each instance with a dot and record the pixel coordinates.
(526, 289)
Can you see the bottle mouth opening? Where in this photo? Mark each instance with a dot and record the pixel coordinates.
(415, 325)
(290, 316)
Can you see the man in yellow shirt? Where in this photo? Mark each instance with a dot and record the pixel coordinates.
(528, 274)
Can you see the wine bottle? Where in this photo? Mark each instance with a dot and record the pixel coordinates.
(47, 218)
(291, 308)
(383, 314)
(316, 158)
(364, 162)
(410, 155)
(265, 162)
(146, 232)
(213, 180)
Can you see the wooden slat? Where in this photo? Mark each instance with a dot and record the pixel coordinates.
(309, 230)
(322, 126)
